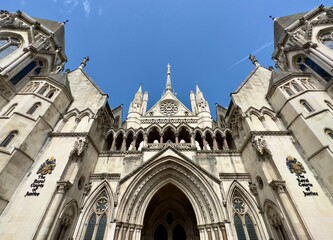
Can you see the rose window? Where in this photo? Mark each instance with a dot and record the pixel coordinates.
(168, 108)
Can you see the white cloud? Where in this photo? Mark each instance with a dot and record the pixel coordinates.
(86, 7)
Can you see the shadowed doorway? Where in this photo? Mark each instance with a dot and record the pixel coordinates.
(170, 216)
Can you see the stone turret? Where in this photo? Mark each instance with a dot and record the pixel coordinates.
(136, 108)
(202, 107)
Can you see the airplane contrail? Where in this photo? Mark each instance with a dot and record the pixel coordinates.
(256, 51)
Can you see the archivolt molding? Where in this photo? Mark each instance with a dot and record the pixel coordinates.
(183, 175)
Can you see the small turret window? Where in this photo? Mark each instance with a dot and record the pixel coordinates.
(329, 133)
(306, 106)
(306, 64)
(10, 137)
(8, 45)
(326, 38)
(33, 109)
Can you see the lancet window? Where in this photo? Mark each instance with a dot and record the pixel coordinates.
(33, 109)
(8, 45)
(97, 220)
(306, 106)
(9, 139)
(10, 110)
(243, 222)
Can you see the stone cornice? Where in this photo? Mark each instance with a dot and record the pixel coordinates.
(106, 176)
(232, 176)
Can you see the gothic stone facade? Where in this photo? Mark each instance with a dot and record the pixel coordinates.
(71, 168)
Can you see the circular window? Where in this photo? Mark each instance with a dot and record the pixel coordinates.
(168, 108)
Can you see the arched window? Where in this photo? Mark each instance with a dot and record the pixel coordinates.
(50, 94)
(239, 228)
(329, 133)
(289, 91)
(8, 45)
(244, 226)
(297, 87)
(329, 105)
(306, 106)
(33, 108)
(97, 221)
(10, 110)
(10, 137)
(326, 38)
(305, 64)
(90, 227)
(34, 68)
(43, 89)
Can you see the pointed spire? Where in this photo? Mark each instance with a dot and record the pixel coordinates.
(140, 88)
(197, 90)
(168, 84)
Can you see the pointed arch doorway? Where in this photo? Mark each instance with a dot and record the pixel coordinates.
(170, 216)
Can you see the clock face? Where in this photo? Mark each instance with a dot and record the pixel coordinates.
(168, 108)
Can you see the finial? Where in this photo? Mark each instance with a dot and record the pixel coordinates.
(140, 88)
(84, 62)
(273, 18)
(197, 90)
(168, 84)
(253, 60)
(66, 21)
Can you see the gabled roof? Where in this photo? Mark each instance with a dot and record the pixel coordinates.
(282, 23)
(62, 79)
(168, 95)
(56, 27)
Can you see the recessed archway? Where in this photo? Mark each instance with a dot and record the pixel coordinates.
(169, 216)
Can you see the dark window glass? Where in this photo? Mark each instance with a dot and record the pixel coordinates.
(7, 50)
(297, 87)
(90, 228)
(239, 228)
(307, 106)
(33, 108)
(101, 228)
(317, 69)
(20, 75)
(330, 133)
(250, 228)
(8, 139)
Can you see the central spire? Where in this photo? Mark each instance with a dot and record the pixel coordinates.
(168, 83)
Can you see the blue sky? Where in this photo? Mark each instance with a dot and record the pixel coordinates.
(131, 42)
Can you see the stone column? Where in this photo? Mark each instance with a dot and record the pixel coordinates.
(113, 145)
(204, 147)
(192, 140)
(290, 212)
(225, 144)
(46, 227)
(224, 233)
(117, 231)
(215, 147)
(131, 232)
(209, 233)
(161, 138)
(134, 144)
(123, 145)
(177, 139)
(216, 232)
(138, 232)
(145, 140)
(124, 232)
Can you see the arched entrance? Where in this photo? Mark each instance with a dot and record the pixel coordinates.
(169, 216)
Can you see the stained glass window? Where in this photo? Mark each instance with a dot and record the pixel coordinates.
(101, 228)
(305, 63)
(90, 227)
(7, 46)
(327, 39)
(239, 228)
(250, 228)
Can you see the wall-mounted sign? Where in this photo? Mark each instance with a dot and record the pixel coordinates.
(44, 169)
(297, 168)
